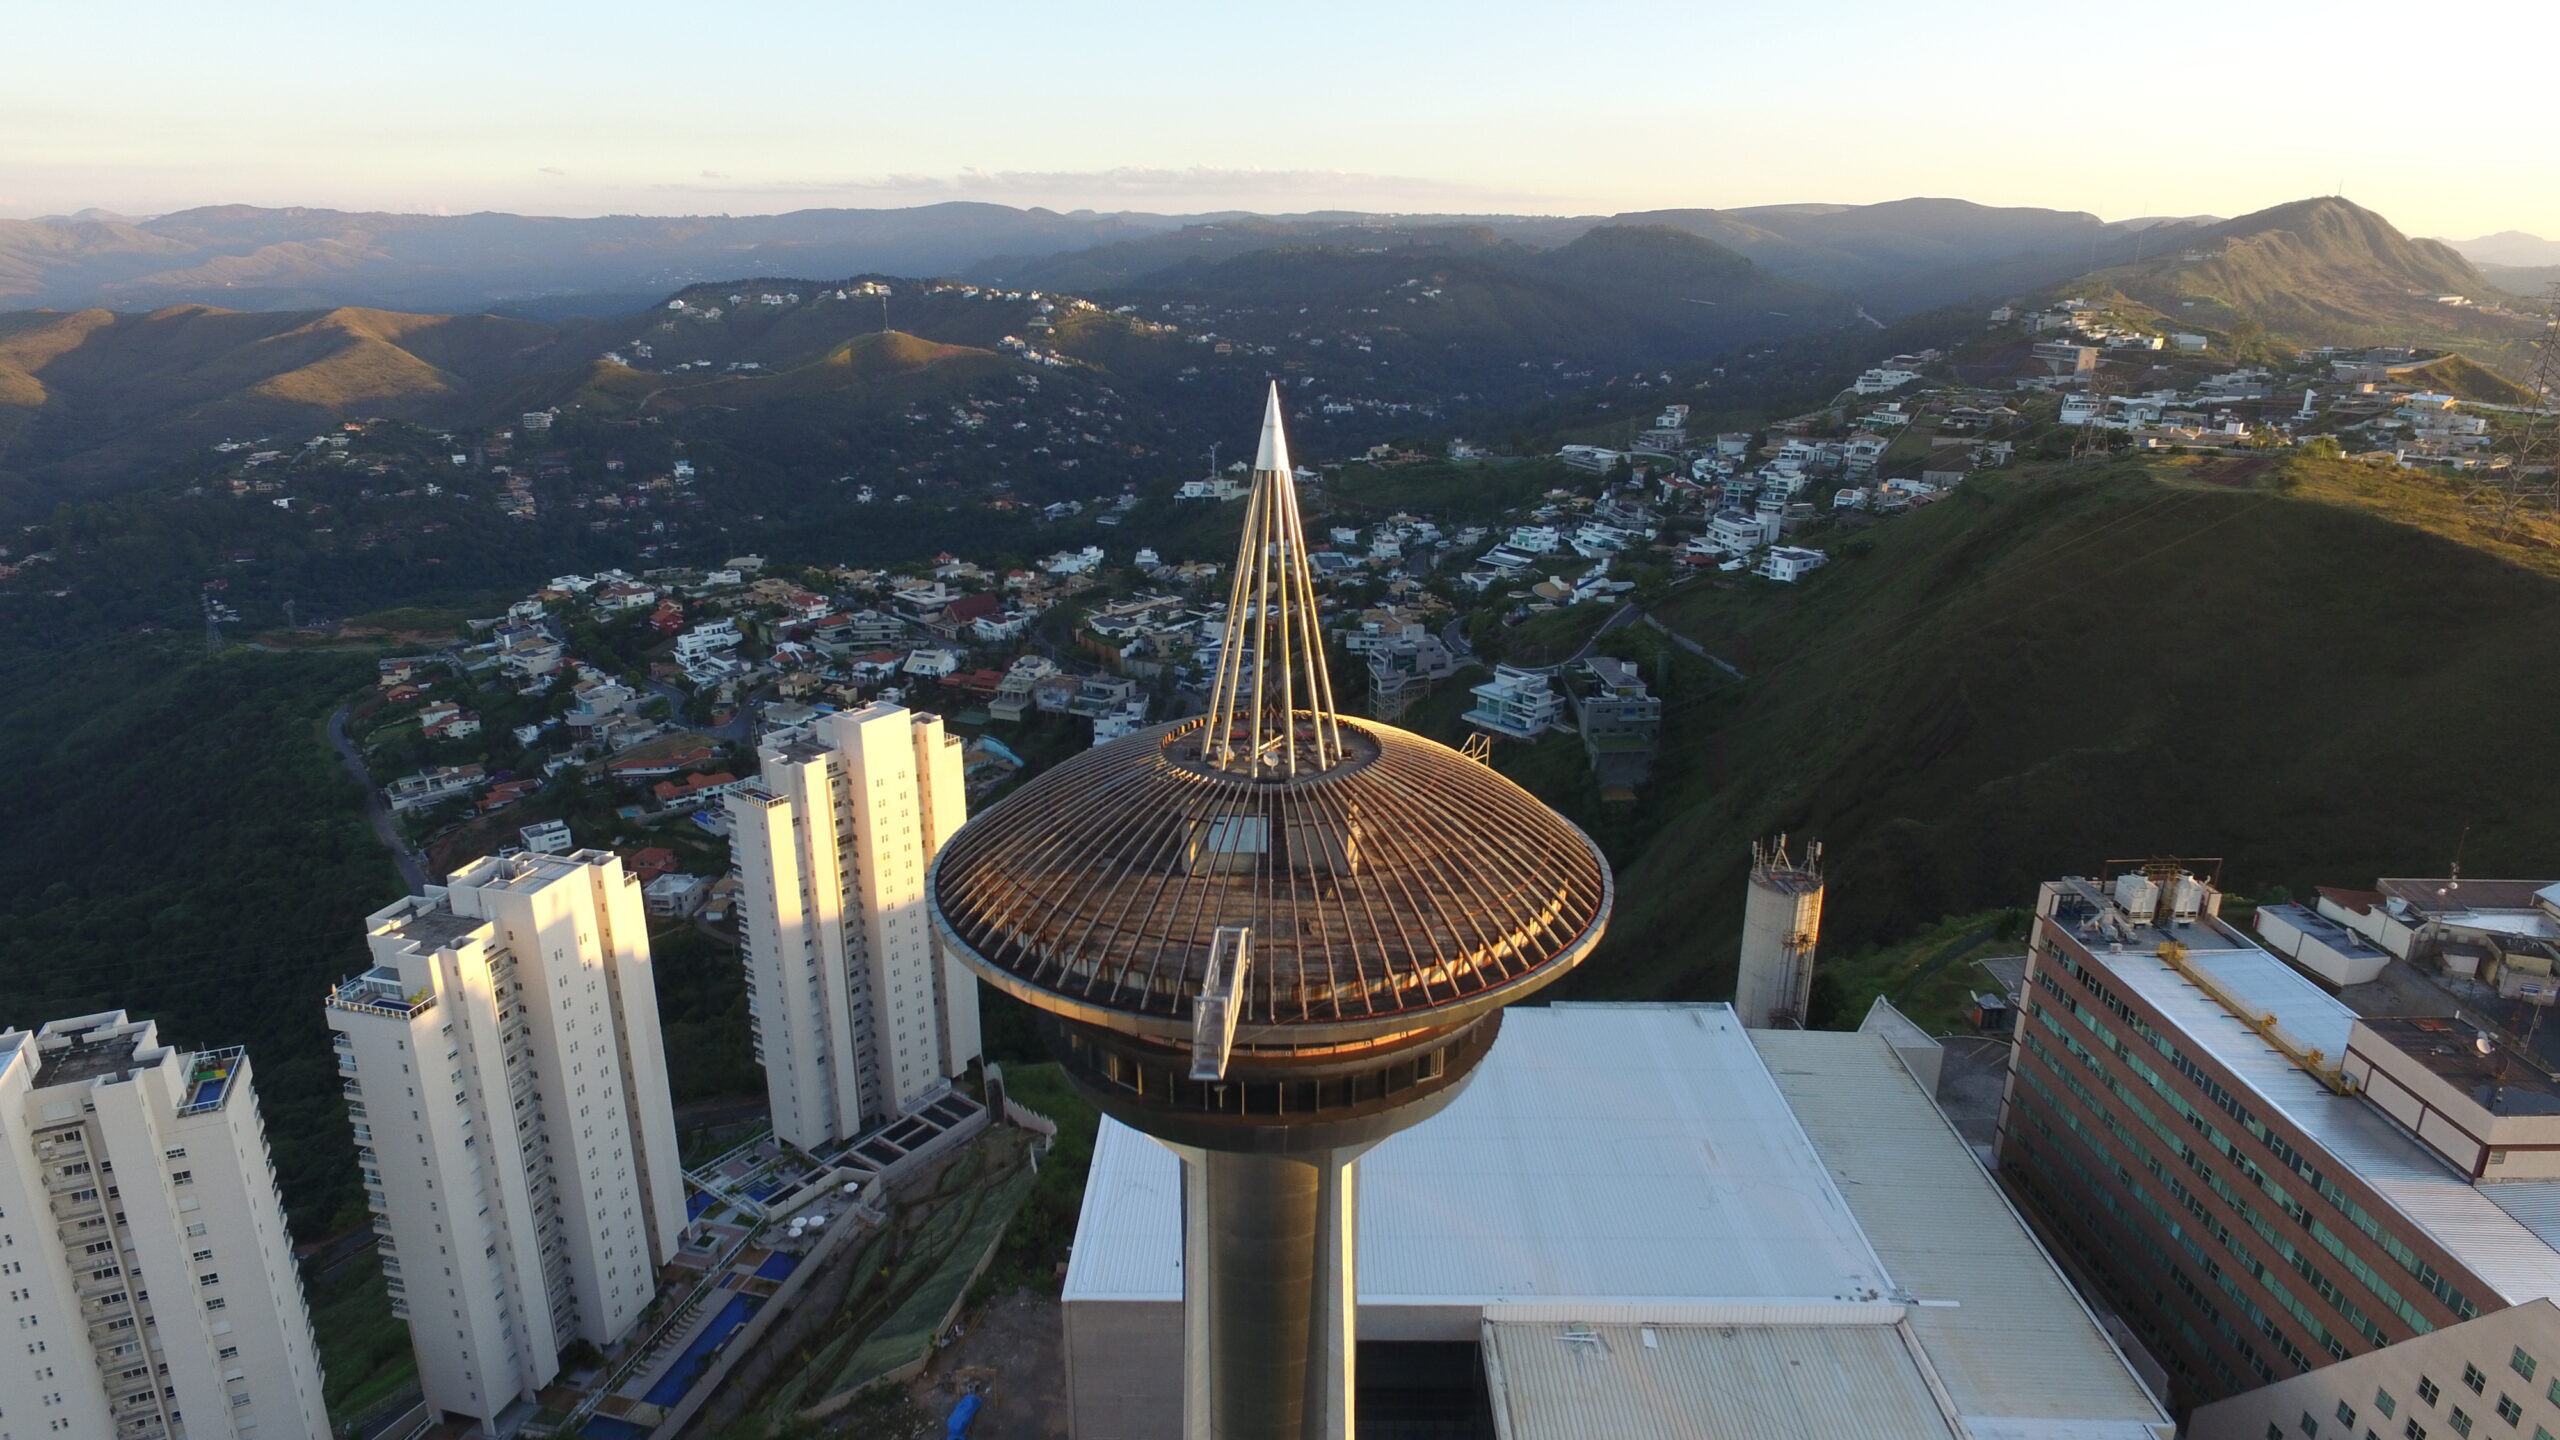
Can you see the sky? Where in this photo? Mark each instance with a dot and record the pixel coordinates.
(565, 107)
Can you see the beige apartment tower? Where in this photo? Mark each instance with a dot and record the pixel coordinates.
(151, 1289)
(1781, 923)
(858, 1015)
(504, 1072)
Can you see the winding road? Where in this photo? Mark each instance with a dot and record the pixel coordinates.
(413, 866)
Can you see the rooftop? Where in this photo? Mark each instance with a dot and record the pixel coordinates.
(89, 1054)
(433, 925)
(2476, 1228)
(1780, 1207)
(1601, 1155)
(2496, 1079)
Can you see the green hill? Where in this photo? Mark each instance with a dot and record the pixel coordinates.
(2319, 272)
(2321, 683)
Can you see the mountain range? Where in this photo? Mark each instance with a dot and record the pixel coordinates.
(1380, 330)
(1897, 255)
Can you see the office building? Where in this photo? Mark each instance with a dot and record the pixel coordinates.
(150, 1282)
(2491, 1376)
(1645, 1220)
(2265, 1182)
(858, 1015)
(504, 1072)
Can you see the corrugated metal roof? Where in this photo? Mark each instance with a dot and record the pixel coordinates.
(1603, 1153)
(1129, 1233)
(1569, 1381)
(2463, 1218)
(2017, 1350)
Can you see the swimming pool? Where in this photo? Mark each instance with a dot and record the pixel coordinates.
(680, 1376)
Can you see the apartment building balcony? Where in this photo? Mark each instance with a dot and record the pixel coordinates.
(378, 992)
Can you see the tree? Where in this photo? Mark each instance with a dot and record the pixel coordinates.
(2535, 460)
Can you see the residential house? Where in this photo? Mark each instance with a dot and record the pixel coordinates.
(1520, 704)
(1788, 563)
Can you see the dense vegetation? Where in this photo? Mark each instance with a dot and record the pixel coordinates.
(2321, 674)
(187, 849)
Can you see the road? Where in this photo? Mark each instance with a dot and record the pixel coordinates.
(739, 728)
(413, 867)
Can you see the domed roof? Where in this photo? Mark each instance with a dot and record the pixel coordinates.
(1400, 885)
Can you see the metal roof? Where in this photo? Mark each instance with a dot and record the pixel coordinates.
(1565, 1380)
(2442, 1202)
(2015, 1348)
(1603, 1155)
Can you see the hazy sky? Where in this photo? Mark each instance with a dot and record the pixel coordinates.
(552, 107)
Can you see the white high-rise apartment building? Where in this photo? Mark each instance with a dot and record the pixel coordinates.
(508, 1084)
(858, 1015)
(149, 1284)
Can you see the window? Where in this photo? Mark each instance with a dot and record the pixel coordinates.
(2346, 1415)
(2461, 1422)
(203, 1255)
(2413, 1430)
(2522, 1364)
(2274, 1431)
(178, 1154)
(230, 1352)
(217, 1303)
(2472, 1377)
(182, 1177)
(2509, 1410)
(2427, 1390)
(2309, 1425)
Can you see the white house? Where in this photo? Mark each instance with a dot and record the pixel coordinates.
(1787, 563)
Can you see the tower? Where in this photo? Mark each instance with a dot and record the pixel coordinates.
(858, 1015)
(1781, 921)
(150, 1276)
(505, 1077)
(1270, 936)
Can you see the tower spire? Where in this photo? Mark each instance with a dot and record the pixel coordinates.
(1271, 708)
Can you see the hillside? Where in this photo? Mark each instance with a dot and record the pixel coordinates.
(2319, 683)
(89, 395)
(2318, 272)
(248, 257)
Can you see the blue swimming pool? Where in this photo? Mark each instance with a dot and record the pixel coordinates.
(679, 1377)
(605, 1427)
(697, 1202)
(776, 1266)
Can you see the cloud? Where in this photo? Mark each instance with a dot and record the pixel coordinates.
(551, 170)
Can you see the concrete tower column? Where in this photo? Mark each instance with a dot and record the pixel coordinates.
(1269, 1294)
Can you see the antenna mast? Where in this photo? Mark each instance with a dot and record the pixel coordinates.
(1271, 710)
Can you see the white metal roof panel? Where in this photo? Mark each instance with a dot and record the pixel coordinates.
(1567, 1381)
(2014, 1346)
(1610, 1154)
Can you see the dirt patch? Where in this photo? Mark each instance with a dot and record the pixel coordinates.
(2233, 474)
(1013, 1354)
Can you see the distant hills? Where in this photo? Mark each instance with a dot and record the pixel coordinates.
(1379, 330)
(2509, 247)
(2319, 272)
(1898, 256)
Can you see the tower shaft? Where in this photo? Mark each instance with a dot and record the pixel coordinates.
(1268, 1294)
